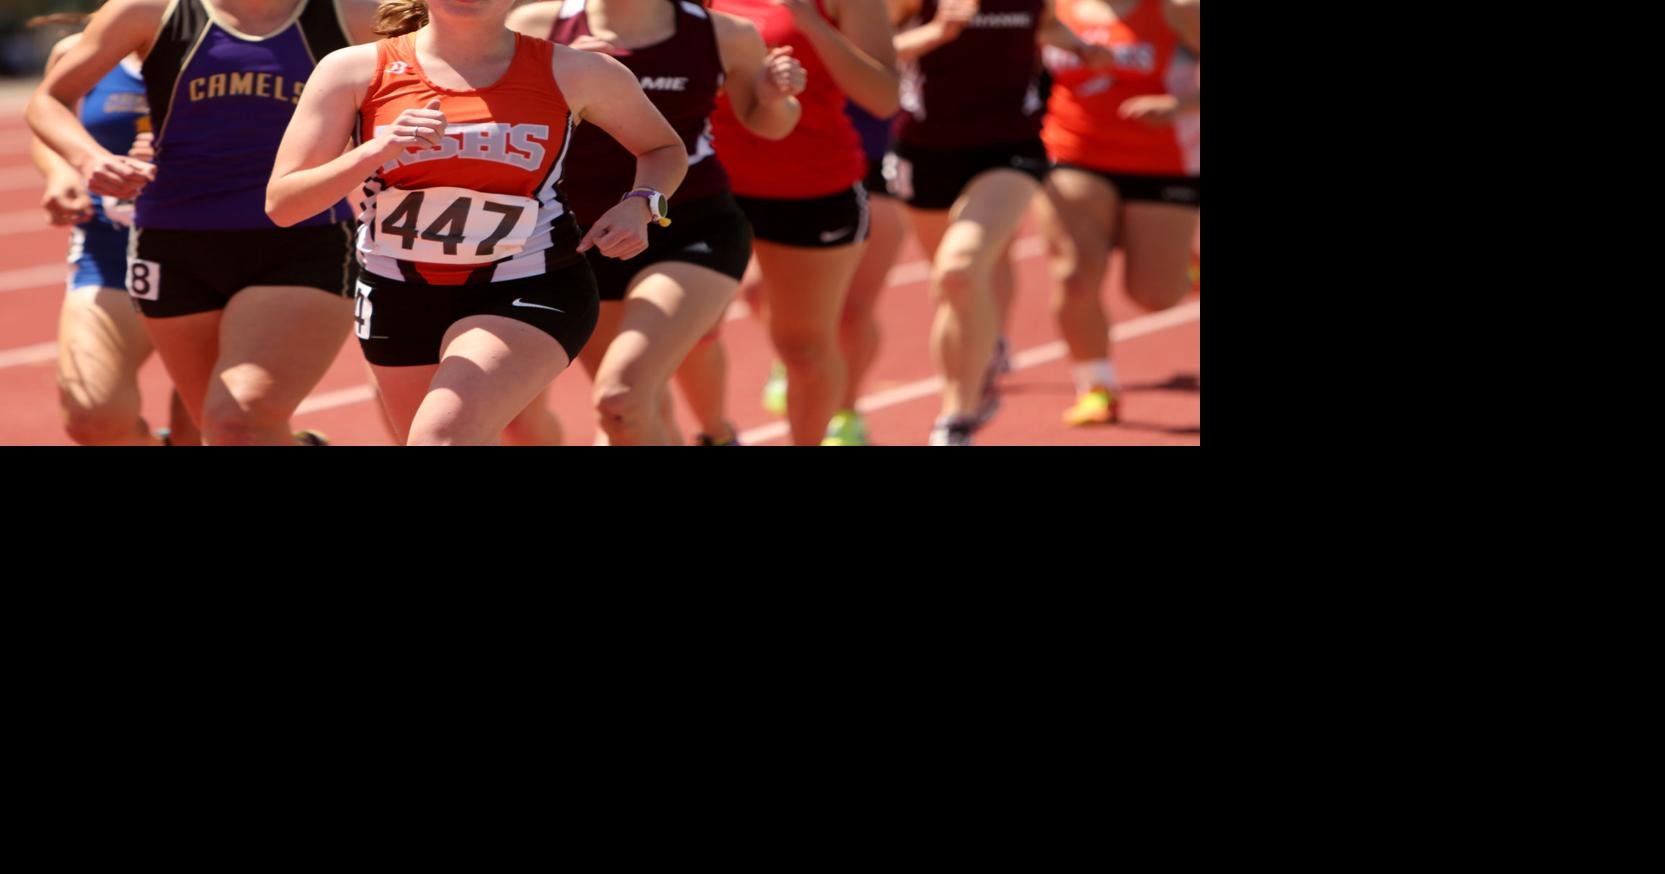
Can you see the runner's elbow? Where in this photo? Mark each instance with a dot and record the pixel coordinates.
(279, 208)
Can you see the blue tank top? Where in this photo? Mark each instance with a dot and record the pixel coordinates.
(875, 132)
(220, 101)
(114, 112)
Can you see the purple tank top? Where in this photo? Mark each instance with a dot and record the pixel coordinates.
(220, 101)
(980, 89)
(681, 76)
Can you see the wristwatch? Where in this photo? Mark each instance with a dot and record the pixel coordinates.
(657, 204)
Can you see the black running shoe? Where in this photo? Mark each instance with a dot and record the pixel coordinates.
(955, 431)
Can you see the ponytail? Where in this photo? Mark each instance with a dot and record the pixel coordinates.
(66, 19)
(398, 17)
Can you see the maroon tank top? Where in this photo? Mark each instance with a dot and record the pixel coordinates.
(681, 76)
(980, 89)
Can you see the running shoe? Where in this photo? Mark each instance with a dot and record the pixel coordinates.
(165, 435)
(847, 428)
(1100, 406)
(309, 437)
(774, 391)
(706, 440)
(953, 431)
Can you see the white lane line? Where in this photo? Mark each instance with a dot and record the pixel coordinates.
(1138, 327)
(358, 394)
(28, 355)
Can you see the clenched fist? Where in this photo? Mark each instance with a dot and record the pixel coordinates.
(414, 129)
(780, 77)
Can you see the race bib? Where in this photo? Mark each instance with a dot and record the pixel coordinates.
(452, 225)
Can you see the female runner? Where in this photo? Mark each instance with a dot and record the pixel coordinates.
(657, 305)
(475, 293)
(100, 340)
(969, 159)
(858, 328)
(246, 316)
(1126, 141)
(803, 194)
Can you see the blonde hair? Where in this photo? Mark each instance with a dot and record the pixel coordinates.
(67, 19)
(61, 19)
(397, 17)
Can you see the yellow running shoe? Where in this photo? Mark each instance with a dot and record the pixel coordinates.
(309, 437)
(846, 428)
(774, 391)
(1100, 406)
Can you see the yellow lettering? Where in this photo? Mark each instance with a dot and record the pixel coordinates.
(277, 89)
(242, 83)
(196, 89)
(263, 85)
(216, 85)
(297, 97)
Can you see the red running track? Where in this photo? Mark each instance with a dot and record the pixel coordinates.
(1157, 355)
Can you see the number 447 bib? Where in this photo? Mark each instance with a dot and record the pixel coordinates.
(452, 225)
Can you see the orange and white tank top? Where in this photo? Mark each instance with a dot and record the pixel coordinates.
(486, 205)
(1082, 125)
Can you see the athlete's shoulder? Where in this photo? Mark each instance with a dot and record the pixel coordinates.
(132, 15)
(354, 57)
(351, 67)
(588, 77)
(126, 26)
(728, 25)
(535, 19)
(123, 10)
(148, 7)
(582, 65)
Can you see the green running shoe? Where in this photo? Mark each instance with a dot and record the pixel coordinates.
(847, 428)
(774, 391)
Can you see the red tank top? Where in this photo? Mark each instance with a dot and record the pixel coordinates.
(1082, 124)
(822, 155)
(981, 88)
(485, 206)
(681, 76)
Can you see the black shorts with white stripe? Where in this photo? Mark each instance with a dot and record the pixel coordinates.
(814, 223)
(711, 232)
(403, 324)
